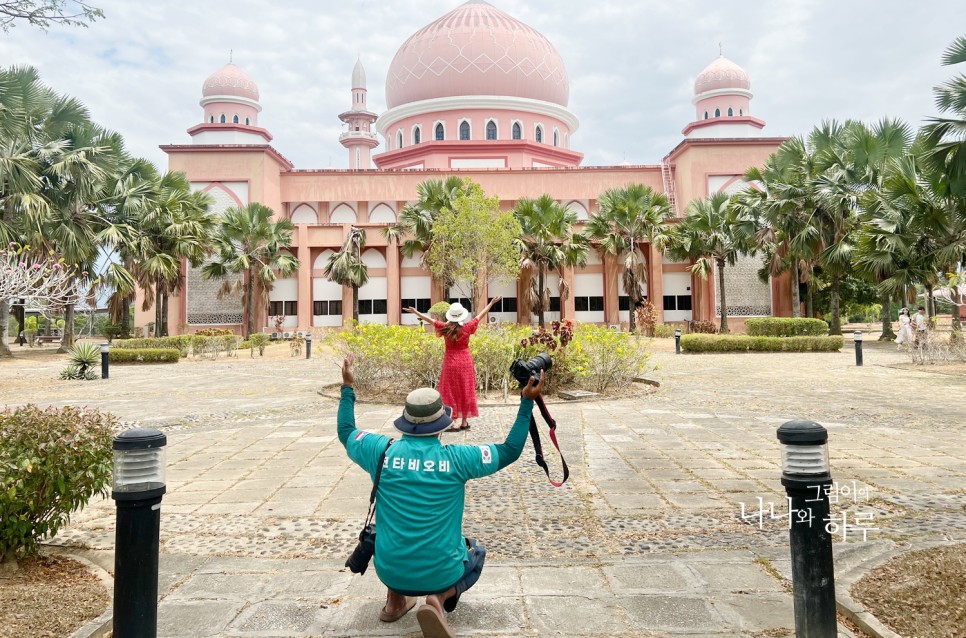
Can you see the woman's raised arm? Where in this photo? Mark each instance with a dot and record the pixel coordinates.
(486, 309)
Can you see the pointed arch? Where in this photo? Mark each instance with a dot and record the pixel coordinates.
(517, 131)
(382, 213)
(465, 130)
(491, 130)
(440, 132)
(343, 214)
(305, 214)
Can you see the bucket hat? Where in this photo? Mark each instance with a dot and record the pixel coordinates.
(424, 414)
(457, 313)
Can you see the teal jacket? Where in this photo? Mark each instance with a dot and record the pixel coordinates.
(419, 506)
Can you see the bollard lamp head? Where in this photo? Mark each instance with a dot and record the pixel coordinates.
(858, 335)
(139, 465)
(804, 448)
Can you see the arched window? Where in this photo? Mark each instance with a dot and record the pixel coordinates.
(517, 131)
(717, 112)
(440, 132)
(539, 134)
(212, 120)
(741, 112)
(491, 130)
(731, 112)
(556, 138)
(705, 115)
(417, 135)
(248, 121)
(464, 130)
(222, 118)
(399, 140)
(234, 120)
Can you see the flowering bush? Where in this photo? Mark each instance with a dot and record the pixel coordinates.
(646, 316)
(602, 359)
(391, 358)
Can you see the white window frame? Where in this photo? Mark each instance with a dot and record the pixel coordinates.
(523, 129)
(416, 127)
(486, 128)
(399, 138)
(437, 124)
(556, 136)
(459, 129)
(539, 127)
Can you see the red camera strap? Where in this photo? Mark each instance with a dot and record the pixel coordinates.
(538, 448)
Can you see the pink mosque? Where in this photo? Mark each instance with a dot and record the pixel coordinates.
(477, 94)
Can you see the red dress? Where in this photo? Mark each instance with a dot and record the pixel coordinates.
(457, 381)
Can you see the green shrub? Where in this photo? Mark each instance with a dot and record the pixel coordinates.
(76, 373)
(664, 330)
(51, 463)
(245, 345)
(181, 342)
(785, 327)
(214, 332)
(145, 355)
(259, 340)
(602, 359)
(395, 358)
(702, 327)
(438, 311)
(745, 343)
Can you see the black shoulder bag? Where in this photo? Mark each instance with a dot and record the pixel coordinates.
(358, 561)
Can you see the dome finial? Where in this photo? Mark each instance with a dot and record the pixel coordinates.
(230, 54)
(720, 51)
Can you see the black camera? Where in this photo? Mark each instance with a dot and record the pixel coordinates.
(358, 562)
(523, 371)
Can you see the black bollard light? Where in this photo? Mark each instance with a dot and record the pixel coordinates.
(858, 347)
(805, 475)
(308, 346)
(138, 488)
(105, 360)
(677, 341)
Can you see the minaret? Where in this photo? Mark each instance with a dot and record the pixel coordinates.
(359, 139)
(722, 102)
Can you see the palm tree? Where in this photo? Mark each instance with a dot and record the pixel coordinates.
(414, 229)
(175, 226)
(249, 245)
(547, 244)
(346, 267)
(33, 121)
(948, 134)
(713, 231)
(629, 216)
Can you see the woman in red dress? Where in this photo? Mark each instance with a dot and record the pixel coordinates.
(457, 381)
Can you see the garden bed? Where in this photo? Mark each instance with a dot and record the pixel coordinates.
(49, 597)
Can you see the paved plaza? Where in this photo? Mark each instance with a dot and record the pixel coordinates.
(647, 538)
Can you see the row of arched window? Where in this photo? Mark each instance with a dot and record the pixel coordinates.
(465, 133)
(731, 113)
(234, 120)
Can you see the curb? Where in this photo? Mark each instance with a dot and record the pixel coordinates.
(330, 391)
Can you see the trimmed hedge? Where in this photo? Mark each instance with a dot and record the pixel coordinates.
(181, 343)
(744, 343)
(145, 355)
(785, 327)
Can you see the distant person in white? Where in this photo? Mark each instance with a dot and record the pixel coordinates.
(922, 324)
(905, 328)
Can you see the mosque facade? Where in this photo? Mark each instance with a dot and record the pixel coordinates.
(475, 94)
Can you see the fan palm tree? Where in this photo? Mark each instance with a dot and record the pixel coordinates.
(547, 244)
(33, 121)
(413, 232)
(346, 267)
(948, 134)
(629, 216)
(713, 232)
(175, 227)
(249, 245)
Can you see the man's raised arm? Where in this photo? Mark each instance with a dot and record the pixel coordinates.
(510, 450)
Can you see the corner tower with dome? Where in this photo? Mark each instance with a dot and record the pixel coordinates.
(477, 94)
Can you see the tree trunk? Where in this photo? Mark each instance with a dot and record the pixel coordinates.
(796, 295)
(249, 304)
(886, 317)
(541, 283)
(67, 341)
(126, 318)
(164, 315)
(724, 303)
(810, 302)
(835, 325)
(930, 303)
(4, 320)
(157, 310)
(355, 303)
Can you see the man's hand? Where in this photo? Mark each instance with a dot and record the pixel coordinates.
(534, 387)
(348, 377)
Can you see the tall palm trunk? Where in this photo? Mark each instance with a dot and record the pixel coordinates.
(249, 303)
(355, 303)
(164, 315)
(796, 293)
(886, 317)
(930, 303)
(67, 341)
(126, 318)
(540, 285)
(835, 326)
(810, 301)
(157, 310)
(724, 303)
(4, 320)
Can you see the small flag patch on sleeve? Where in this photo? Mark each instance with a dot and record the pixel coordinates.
(487, 454)
(360, 435)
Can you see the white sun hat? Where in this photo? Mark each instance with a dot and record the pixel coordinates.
(457, 313)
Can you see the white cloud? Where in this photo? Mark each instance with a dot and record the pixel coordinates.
(631, 65)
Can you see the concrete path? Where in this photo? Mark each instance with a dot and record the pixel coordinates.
(648, 538)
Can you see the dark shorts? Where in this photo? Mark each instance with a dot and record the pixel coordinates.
(472, 568)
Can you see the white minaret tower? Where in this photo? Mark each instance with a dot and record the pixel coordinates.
(359, 139)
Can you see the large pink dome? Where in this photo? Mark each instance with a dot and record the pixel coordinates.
(721, 74)
(230, 80)
(476, 49)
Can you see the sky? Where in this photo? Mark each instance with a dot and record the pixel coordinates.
(632, 63)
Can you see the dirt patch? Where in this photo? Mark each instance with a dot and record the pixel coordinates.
(957, 369)
(49, 597)
(920, 594)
